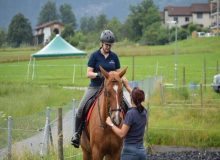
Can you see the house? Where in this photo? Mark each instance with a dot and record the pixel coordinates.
(198, 13)
(215, 16)
(44, 31)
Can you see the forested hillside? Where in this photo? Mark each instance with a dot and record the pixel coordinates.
(113, 8)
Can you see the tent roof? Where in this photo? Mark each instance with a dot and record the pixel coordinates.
(58, 47)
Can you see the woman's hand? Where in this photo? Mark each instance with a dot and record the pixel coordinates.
(108, 121)
(126, 84)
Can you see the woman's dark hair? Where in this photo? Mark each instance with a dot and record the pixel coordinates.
(138, 96)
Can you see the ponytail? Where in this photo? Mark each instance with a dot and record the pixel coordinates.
(138, 96)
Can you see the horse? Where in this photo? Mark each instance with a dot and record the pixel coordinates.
(98, 140)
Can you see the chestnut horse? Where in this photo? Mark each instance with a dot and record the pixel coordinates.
(98, 140)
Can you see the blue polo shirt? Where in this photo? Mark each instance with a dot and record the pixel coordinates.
(111, 63)
(137, 122)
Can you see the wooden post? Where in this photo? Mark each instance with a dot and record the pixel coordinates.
(184, 76)
(201, 94)
(162, 93)
(133, 68)
(204, 69)
(60, 135)
(9, 137)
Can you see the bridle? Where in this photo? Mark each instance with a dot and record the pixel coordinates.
(109, 108)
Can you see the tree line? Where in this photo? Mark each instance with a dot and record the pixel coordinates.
(143, 25)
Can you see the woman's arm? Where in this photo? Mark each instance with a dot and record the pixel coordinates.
(90, 73)
(121, 132)
(126, 84)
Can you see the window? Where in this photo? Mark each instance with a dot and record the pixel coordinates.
(199, 15)
(175, 19)
(187, 19)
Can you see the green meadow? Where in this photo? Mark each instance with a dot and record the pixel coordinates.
(183, 125)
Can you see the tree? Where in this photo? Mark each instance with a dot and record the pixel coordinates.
(19, 31)
(68, 31)
(155, 34)
(87, 24)
(101, 22)
(115, 26)
(48, 13)
(67, 15)
(2, 37)
(141, 18)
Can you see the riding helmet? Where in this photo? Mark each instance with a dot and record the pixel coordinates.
(107, 36)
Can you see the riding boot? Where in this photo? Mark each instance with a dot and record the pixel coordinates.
(75, 141)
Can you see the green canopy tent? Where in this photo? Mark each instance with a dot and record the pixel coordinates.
(58, 47)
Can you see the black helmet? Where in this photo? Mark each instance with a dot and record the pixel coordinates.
(107, 36)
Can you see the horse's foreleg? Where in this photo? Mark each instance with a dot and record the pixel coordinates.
(86, 156)
(113, 157)
(96, 154)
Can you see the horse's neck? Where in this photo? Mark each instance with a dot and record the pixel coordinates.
(103, 105)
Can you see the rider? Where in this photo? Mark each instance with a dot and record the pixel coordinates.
(110, 62)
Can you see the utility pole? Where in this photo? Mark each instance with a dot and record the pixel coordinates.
(175, 53)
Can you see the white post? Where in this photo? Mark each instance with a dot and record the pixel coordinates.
(175, 63)
(45, 143)
(9, 137)
(218, 18)
(28, 71)
(175, 66)
(157, 68)
(74, 72)
(33, 70)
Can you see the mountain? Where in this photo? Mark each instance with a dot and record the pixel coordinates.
(111, 8)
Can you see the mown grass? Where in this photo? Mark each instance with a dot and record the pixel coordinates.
(21, 96)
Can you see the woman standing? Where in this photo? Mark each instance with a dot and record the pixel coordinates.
(133, 127)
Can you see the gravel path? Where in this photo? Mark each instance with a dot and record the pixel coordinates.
(183, 153)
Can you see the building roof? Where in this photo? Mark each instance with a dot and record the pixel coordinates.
(178, 11)
(200, 7)
(48, 24)
(188, 10)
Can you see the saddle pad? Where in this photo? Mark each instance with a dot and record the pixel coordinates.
(90, 111)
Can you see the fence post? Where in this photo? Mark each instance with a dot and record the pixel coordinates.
(74, 114)
(45, 144)
(133, 68)
(9, 137)
(201, 94)
(49, 128)
(60, 135)
(162, 93)
(184, 76)
(204, 72)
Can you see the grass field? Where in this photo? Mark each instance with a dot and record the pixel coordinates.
(22, 96)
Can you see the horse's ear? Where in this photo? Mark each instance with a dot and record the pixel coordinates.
(104, 72)
(122, 72)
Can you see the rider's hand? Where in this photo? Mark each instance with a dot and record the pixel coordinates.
(99, 75)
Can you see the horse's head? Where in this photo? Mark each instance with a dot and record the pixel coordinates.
(113, 89)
